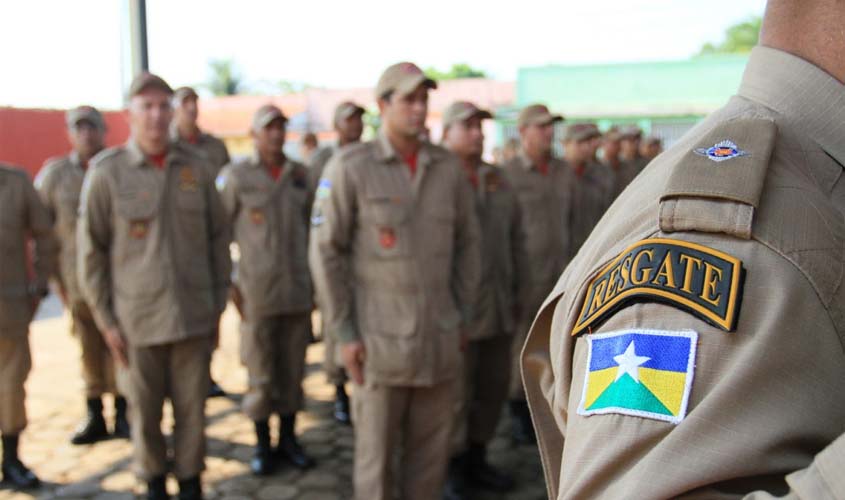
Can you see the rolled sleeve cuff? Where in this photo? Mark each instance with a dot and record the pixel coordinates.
(345, 333)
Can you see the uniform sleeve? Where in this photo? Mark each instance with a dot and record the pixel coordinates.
(41, 230)
(44, 185)
(466, 271)
(220, 234)
(94, 239)
(332, 225)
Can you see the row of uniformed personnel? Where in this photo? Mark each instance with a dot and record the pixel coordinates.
(413, 264)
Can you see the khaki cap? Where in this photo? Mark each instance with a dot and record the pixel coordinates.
(402, 78)
(87, 113)
(266, 114)
(537, 114)
(346, 109)
(652, 140)
(460, 111)
(581, 132)
(630, 132)
(146, 81)
(612, 134)
(182, 93)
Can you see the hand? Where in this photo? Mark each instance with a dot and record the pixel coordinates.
(117, 345)
(354, 354)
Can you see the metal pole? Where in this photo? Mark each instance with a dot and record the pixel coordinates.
(143, 57)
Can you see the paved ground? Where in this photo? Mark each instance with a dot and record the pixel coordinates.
(101, 471)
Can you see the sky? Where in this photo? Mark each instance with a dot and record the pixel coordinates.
(59, 53)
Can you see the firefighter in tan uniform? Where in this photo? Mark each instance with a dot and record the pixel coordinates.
(622, 173)
(266, 199)
(593, 184)
(396, 260)
(154, 265)
(184, 128)
(349, 125)
(544, 189)
(59, 183)
(22, 217)
(694, 347)
(487, 356)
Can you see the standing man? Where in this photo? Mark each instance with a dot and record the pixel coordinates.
(395, 257)
(349, 125)
(154, 268)
(22, 218)
(487, 356)
(543, 186)
(651, 147)
(622, 173)
(59, 184)
(593, 183)
(663, 365)
(267, 202)
(184, 128)
(629, 143)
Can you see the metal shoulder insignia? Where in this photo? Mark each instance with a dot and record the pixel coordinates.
(691, 277)
(728, 162)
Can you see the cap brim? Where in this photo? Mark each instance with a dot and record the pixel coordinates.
(351, 111)
(268, 119)
(412, 84)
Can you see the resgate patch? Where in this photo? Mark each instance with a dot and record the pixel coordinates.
(691, 277)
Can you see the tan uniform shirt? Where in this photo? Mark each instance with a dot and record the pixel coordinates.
(153, 245)
(22, 216)
(270, 224)
(396, 259)
(59, 183)
(761, 394)
(213, 148)
(545, 206)
(502, 253)
(317, 165)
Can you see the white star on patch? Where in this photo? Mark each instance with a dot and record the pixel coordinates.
(629, 363)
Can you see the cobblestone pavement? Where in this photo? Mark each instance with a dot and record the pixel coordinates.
(101, 471)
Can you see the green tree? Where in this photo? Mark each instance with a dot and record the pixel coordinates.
(739, 38)
(459, 70)
(225, 78)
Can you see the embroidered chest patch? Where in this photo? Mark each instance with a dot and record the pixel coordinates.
(643, 373)
(688, 276)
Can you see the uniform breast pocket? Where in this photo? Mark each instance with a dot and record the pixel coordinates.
(387, 227)
(253, 225)
(135, 245)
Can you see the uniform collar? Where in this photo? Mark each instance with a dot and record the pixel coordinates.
(526, 163)
(804, 94)
(137, 158)
(387, 153)
(174, 134)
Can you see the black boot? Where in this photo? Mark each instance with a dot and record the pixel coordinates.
(289, 448)
(14, 472)
(456, 479)
(121, 421)
(190, 489)
(214, 390)
(521, 426)
(262, 462)
(481, 474)
(157, 489)
(93, 428)
(341, 405)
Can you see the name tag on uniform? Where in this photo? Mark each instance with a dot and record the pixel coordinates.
(691, 277)
(643, 373)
